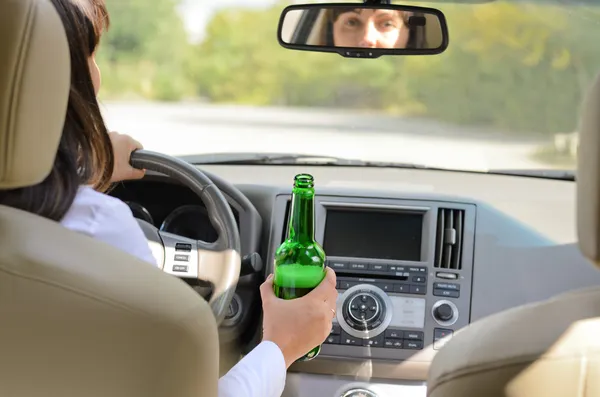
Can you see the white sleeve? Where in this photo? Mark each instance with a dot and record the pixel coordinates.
(261, 373)
(110, 220)
(116, 225)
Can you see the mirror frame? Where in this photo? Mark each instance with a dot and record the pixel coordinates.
(368, 53)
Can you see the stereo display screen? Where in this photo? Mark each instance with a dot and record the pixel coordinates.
(373, 234)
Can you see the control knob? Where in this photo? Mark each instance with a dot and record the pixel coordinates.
(443, 312)
(364, 310)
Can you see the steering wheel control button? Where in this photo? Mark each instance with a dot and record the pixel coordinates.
(441, 336)
(182, 258)
(444, 313)
(180, 268)
(183, 247)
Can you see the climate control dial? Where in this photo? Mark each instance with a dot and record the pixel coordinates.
(364, 311)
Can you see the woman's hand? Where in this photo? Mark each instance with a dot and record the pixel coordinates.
(123, 146)
(299, 325)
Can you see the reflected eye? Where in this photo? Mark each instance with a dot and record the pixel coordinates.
(352, 22)
(389, 24)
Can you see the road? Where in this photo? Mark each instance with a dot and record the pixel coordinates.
(192, 128)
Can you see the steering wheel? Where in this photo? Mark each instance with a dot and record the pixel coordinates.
(217, 263)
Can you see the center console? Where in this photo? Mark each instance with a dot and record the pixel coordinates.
(404, 270)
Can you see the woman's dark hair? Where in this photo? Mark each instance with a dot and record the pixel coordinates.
(416, 34)
(85, 154)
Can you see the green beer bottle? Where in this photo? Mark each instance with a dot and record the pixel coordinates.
(300, 260)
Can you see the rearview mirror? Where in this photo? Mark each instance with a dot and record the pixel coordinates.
(359, 30)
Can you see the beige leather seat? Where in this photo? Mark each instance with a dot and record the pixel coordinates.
(545, 349)
(77, 317)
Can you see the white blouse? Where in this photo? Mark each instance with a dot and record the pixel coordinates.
(261, 373)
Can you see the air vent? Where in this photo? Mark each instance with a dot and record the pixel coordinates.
(286, 220)
(449, 239)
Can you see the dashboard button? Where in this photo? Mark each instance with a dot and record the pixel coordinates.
(394, 334)
(182, 258)
(180, 268)
(413, 335)
(413, 345)
(378, 268)
(333, 339)
(419, 279)
(349, 340)
(397, 344)
(358, 266)
(448, 286)
(418, 289)
(345, 284)
(387, 287)
(446, 293)
(338, 265)
(374, 342)
(335, 329)
(441, 336)
(402, 288)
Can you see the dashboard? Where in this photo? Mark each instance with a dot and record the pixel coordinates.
(419, 254)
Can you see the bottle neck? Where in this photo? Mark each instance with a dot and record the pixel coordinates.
(302, 222)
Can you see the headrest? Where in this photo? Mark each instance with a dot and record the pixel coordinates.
(588, 176)
(34, 90)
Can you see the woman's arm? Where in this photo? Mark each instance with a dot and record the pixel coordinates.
(291, 328)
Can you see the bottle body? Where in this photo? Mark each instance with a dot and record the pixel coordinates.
(300, 260)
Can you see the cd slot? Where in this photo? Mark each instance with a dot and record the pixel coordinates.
(396, 272)
(376, 277)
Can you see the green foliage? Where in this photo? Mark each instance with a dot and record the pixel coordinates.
(145, 51)
(516, 67)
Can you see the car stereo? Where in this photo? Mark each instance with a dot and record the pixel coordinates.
(403, 268)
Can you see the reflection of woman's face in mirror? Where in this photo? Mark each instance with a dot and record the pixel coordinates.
(370, 28)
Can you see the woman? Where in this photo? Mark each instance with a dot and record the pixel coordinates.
(371, 28)
(84, 167)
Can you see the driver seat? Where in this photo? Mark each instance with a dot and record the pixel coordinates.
(78, 317)
(549, 348)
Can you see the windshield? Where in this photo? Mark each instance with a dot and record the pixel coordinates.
(192, 77)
